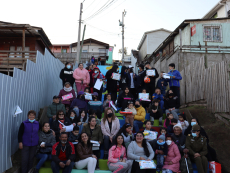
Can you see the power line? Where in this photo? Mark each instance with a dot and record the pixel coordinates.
(102, 29)
(115, 7)
(89, 5)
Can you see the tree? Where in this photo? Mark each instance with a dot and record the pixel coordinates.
(125, 50)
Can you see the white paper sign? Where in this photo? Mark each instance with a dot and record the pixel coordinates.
(116, 76)
(98, 84)
(67, 128)
(18, 111)
(113, 106)
(147, 164)
(144, 96)
(151, 73)
(88, 96)
(166, 76)
(151, 135)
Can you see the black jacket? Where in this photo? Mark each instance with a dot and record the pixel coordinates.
(72, 137)
(124, 79)
(152, 79)
(156, 115)
(140, 79)
(121, 102)
(171, 103)
(70, 152)
(111, 84)
(56, 129)
(164, 148)
(179, 141)
(66, 75)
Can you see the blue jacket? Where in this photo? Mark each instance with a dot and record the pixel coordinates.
(159, 85)
(159, 97)
(174, 82)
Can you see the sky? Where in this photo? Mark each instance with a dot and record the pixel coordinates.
(59, 19)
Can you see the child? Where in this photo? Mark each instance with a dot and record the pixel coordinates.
(28, 140)
(93, 113)
(183, 122)
(106, 102)
(163, 131)
(155, 112)
(86, 90)
(170, 127)
(83, 118)
(157, 95)
(172, 105)
(161, 146)
(73, 136)
(72, 116)
(162, 84)
(95, 104)
(145, 104)
(148, 126)
(130, 118)
(168, 120)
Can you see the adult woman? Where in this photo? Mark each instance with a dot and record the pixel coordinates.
(111, 83)
(98, 75)
(79, 103)
(85, 157)
(66, 74)
(197, 149)
(117, 161)
(81, 77)
(81, 120)
(140, 150)
(28, 140)
(172, 160)
(124, 78)
(46, 141)
(126, 132)
(124, 98)
(110, 125)
(58, 124)
(94, 132)
(65, 91)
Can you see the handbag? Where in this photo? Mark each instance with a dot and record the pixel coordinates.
(215, 167)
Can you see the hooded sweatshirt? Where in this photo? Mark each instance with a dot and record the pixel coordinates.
(84, 74)
(66, 75)
(80, 103)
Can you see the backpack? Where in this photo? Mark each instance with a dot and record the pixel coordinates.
(183, 165)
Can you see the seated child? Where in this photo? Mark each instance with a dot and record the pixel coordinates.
(157, 95)
(163, 131)
(161, 149)
(148, 126)
(170, 127)
(155, 112)
(93, 113)
(183, 122)
(106, 103)
(73, 136)
(130, 118)
(162, 83)
(95, 104)
(145, 104)
(168, 120)
(81, 120)
(73, 116)
(87, 90)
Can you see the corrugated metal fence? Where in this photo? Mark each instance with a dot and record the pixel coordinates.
(30, 90)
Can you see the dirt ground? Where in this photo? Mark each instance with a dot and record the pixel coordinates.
(218, 133)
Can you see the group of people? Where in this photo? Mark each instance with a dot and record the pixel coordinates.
(79, 126)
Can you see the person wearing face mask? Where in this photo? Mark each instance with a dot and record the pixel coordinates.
(124, 79)
(66, 74)
(79, 103)
(63, 155)
(110, 126)
(65, 91)
(139, 79)
(197, 146)
(172, 160)
(111, 83)
(28, 140)
(139, 118)
(97, 75)
(44, 149)
(172, 105)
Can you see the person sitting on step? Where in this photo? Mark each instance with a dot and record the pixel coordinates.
(155, 112)
(139, 118)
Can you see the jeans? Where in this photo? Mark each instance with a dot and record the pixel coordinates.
(51, 121)
(167, 171)
(67, 169)
(161, 104)
(76, 110)
(42, 158)
(137, 125)
(174, 112)
(160, 161)
(27, 158)
(80, 128)
(107, 142)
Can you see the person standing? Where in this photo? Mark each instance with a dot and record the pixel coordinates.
(151, 86)
(139, 79)
(132, 82)
(66, 74)
(124, 79)
(82, 78)
(111, 83)
(174, 81)
(162, 84)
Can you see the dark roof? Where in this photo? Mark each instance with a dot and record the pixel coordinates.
(90, 40)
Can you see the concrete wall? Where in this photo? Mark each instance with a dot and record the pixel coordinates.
(154, 39)
(143, 50)
(221, 12)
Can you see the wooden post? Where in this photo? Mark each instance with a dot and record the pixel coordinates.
(23, 44)
(180, 39)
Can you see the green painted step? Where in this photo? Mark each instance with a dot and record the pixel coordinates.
(103, 164)
(49, 170)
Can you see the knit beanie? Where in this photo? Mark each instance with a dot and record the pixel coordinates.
(162, 137)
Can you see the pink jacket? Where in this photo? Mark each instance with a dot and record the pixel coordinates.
(115, 127)
(165, 123)
(116, 153)
(173, 156)
(78, 74)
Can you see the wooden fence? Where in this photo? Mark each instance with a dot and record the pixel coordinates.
(211, 84)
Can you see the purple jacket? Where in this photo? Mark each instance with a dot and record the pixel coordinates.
(30, 135)
(63, 92)
(81, 104)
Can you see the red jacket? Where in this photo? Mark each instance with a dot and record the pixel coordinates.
(98, 75)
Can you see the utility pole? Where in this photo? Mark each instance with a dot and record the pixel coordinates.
(79, 35)
(123, 32)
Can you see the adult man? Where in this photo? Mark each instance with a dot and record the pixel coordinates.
(150, 87)
(179, 139)
(174, 81)
(53, 108)
(139, 84)
(132, 82)
(63, 155)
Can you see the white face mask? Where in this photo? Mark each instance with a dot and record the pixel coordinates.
(168, 142)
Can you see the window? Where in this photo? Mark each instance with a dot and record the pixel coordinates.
(64, 50)
(212, 33)
(84, 50)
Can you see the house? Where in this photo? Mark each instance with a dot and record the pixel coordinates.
(193, 39)
(150, 41)
(127, 60)
(61, 48)
(220, 10)
(135, 60)
(20, 42)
